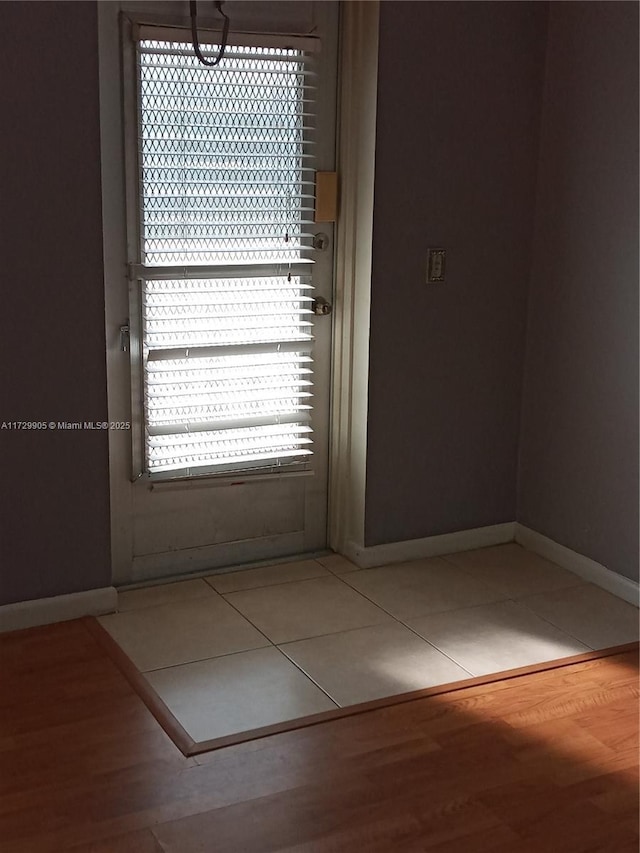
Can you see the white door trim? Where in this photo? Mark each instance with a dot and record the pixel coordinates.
(116, 290)
(358, 76)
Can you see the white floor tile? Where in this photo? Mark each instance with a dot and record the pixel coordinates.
(371, 663)
(182, 631)
(152, 596)
(513, 570)
(267, 576)
(294, 611)
(235, 693)
(494, 637)
(420, 587)
(589, 613)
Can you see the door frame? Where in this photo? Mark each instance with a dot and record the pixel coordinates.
(357, 110)
(356, 124)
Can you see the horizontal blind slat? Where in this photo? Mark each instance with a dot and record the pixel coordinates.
(184, 427)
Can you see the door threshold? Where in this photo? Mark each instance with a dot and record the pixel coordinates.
(221, 570)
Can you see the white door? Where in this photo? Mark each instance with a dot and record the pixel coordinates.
(230, 366)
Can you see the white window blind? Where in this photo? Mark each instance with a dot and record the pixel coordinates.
(226, 207)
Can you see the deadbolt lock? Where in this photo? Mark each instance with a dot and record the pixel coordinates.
(321, 241)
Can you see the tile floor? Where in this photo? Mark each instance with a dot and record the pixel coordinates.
(236, 651)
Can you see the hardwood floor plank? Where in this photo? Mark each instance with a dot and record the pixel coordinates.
(132, 842)
(613, 724)
(621, 797)
(543, 763)
(483, 841)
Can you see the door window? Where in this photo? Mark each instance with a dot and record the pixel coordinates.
(223, 272)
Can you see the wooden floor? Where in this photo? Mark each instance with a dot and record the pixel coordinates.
(546, 762)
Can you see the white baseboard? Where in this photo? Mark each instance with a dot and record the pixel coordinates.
(578, 564)
(497, 534)
(431, 546)
(60, 608)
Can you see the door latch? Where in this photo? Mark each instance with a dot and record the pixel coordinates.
(124, 337)
(321, 307)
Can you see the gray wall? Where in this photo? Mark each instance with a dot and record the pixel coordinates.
(579, 457)
(458, 117)
(54, 516)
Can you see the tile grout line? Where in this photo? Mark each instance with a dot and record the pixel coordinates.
(202, 574)
(275, 646)
(313, 636)
(512, 601)
(197, 597)
(395, 619)
(265, 586)
(143, 672)
(205, 579)
(496, 588)
(329, 573)
(520, 603)
(326, 573)
(200, 660)
(408, 627)
(309, 678)
(519, 600)
(271, 643)
(490, 587)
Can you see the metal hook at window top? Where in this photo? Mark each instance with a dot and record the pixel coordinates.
(193, 8)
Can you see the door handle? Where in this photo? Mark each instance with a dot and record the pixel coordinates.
(321, 307)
